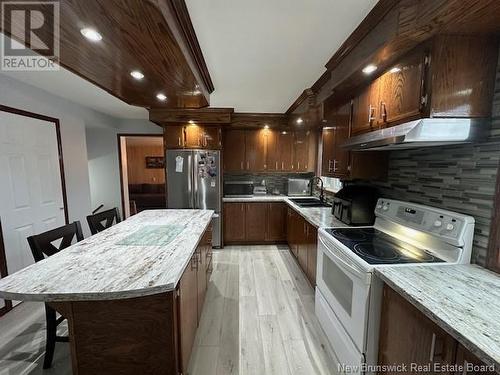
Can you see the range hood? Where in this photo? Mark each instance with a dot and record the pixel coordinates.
(425, 132)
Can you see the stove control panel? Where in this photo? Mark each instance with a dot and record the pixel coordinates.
(444, 224)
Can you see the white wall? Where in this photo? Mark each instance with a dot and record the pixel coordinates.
(103, 159)
(73, 121)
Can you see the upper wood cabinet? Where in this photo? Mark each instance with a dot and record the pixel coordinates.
(173, 136)
(400, 90)
(272, 150)
(193, 136)
(234, 150)
(449, 76)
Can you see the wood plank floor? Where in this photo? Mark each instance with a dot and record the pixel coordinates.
(258, 319)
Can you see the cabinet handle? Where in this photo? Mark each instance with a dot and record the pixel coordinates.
(298, 165)
(383, 111)
(248, 165)
(276, 165)
(329, 165)
(433, 348)
(466, 364)
(335, 165)
(282, 165)
(371, 110)
(179, 141)
(241, 166)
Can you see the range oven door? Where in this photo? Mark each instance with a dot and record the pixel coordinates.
(345, 285)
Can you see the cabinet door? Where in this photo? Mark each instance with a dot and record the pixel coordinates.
(188, 311)
(256, 221)
(211, 138)
(286, 151)
(328, 151)
(234, 222)
(302, 248)
(201, 271)
(255, 146)
(364, 110)
(234, 151)
(301, 150)
(400, 91)
(290, 229)
(407, 336)
(312, 254)
(342, 157)
(276, 217)
(173, 136)
(273, 157)
(194, 136)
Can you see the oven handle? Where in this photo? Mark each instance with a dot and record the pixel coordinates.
(359, 273)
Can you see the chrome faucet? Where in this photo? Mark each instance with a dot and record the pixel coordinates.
(322, 190)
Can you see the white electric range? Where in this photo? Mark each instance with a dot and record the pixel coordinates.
(349, 295)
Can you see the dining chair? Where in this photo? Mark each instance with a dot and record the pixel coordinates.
(96, 221)
(45, 245)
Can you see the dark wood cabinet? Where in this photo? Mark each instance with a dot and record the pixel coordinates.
(273, 150)
(328, 151)
(312, 253)
(173, 136)
(211, 137)
(255, 146)
(256, 221)
(364, 110)
(304, 150)
(234, 222)
(188, 311)
(286, 150)
(470, 363)
(401, 90)
(407, 336)
(276, 226)
(234, 150)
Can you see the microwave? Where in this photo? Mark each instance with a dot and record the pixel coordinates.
(238, 189)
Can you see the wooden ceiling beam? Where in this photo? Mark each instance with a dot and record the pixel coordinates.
(166, 116)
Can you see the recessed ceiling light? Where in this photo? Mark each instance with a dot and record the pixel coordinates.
(369, 69)
(91, 34)
(283, 132)
(137, 74)
(191, 122)
(161, 96)
(266, 126)
(395, 70)
(299, 120)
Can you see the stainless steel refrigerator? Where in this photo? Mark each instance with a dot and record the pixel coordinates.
(194, 181)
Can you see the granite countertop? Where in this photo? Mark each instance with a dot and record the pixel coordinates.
(143, 255)
(462, 299)
(320, 217)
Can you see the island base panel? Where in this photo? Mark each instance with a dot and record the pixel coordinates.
(129, 336)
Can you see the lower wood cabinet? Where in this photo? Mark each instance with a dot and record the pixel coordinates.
(302, 241)
(407, 336)
(191, 296)
(255, 223)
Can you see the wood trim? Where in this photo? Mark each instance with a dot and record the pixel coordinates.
(38, 116)
(206, 115)
(304, 96)
(493, 261)
(120, 166)
(366, 26)
(189, 34)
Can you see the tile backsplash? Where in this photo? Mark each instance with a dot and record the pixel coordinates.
(457, 178)
(273, 180)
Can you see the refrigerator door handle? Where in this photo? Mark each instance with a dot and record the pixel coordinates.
(195, 181)
(190, 180)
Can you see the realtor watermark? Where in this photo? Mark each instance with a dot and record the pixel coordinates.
(401, 368)
(30, 39)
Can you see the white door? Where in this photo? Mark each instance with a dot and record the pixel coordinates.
(31, 197)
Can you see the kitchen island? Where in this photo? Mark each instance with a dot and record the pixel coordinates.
(131, 294)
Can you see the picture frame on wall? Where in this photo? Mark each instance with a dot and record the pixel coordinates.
(155, 162)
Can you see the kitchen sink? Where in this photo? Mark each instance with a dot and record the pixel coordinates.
(309, 202)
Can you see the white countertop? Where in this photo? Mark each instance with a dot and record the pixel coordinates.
(320, 217)
(464, 300)
(143, 255)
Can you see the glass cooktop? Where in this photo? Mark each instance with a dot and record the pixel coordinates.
(376, 247)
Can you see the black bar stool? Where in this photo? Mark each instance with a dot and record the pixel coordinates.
(96, 221)
(41, 246)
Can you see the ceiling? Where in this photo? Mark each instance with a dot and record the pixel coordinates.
(68, 85)
(262, 54)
